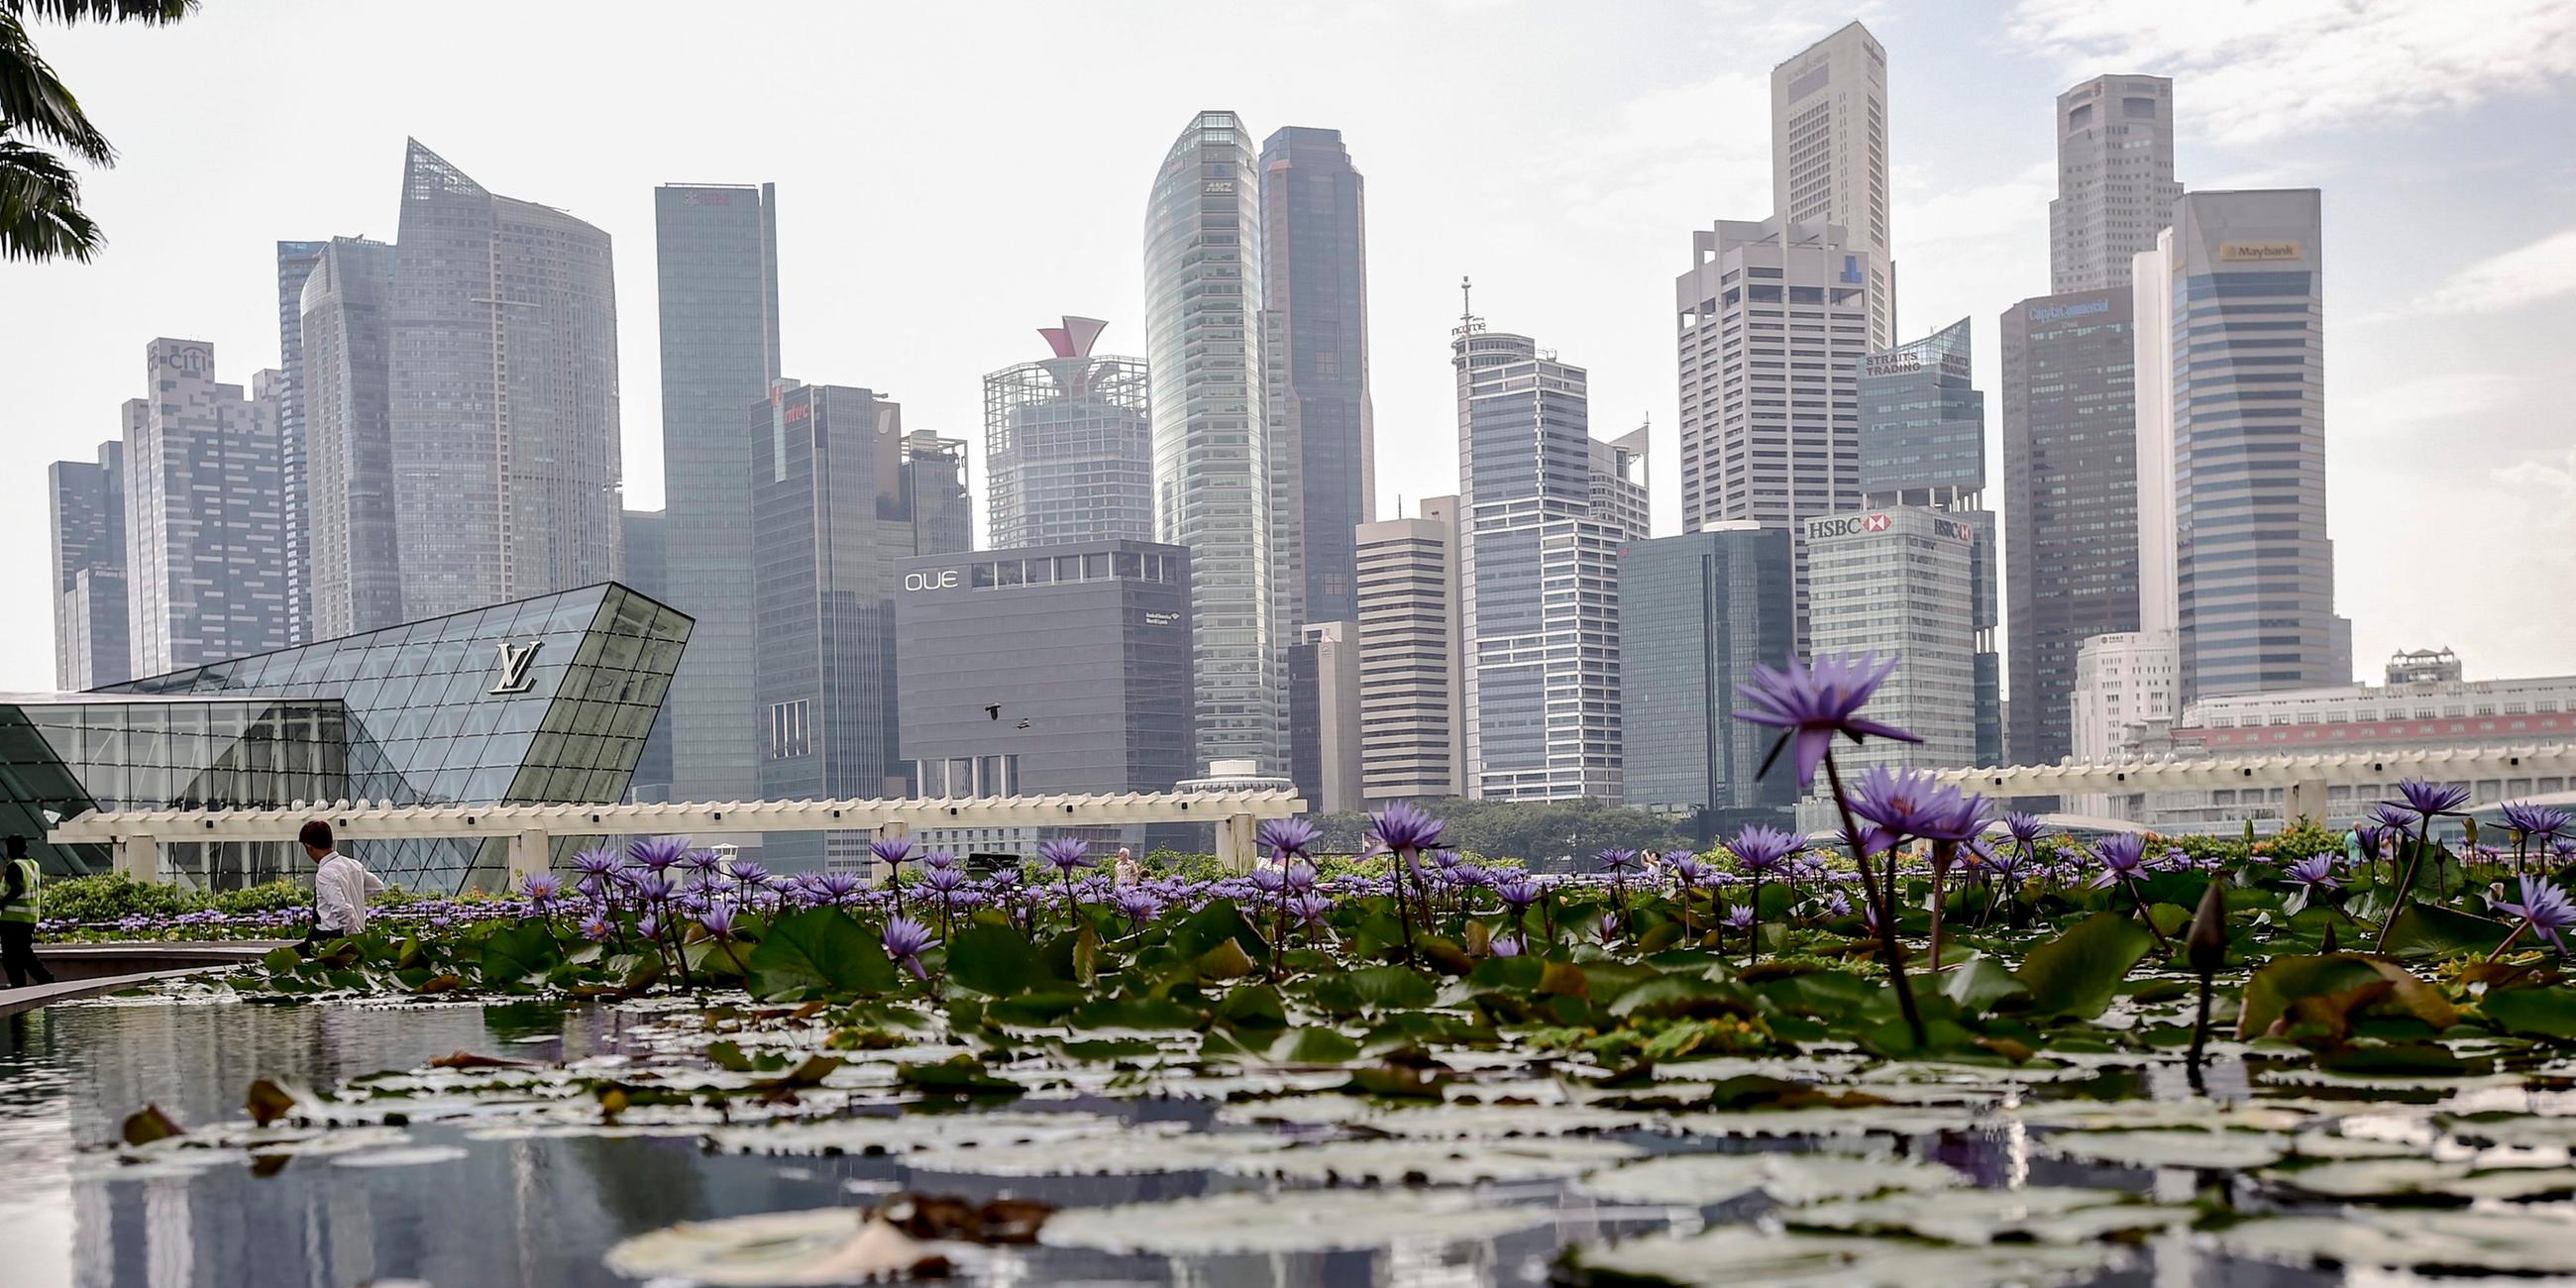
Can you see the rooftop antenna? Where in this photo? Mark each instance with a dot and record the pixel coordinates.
(1467, 323)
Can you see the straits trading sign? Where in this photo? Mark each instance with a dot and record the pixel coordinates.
(2260, 250)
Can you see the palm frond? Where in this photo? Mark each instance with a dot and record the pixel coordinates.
(35, 101)
(151, 12)
(40, 214)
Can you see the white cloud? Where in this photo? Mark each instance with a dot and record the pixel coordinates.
(2544, 474)
(2390, 411)
(2542, 270)
(2256, 70)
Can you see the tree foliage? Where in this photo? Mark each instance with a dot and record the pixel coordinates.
(40, 214)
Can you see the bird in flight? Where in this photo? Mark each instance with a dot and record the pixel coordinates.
(993, 711)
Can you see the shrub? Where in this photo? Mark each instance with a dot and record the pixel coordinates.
(109, 896)
(272, 896)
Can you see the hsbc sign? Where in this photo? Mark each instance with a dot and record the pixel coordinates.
(1847, 525)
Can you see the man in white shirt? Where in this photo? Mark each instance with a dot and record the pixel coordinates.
(340, 886)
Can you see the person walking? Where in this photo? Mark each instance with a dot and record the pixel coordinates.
(22, 905)
(340, 886)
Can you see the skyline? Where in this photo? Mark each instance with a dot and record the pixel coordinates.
(2433, 411)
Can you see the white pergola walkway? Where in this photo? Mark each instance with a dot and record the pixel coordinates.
(137, 835)
(2302, 778)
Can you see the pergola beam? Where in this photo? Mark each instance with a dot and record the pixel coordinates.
(2299, 773)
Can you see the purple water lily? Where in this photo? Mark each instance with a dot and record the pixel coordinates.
(1911, 803)
(905, 941)
(1288, 838)
(2122, 855)
(1809, 704)
(2544, 908)
(2316, 872)
(1763, 851)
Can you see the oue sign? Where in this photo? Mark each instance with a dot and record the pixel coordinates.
(945, 579)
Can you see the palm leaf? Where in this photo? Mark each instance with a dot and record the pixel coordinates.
(40, 215)
(33, 100)
(151, 12)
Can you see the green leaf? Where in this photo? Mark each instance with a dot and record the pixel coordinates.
(2278, 983)
(2534, 1012)
(1254, 1006)
(1313, 1046)
(515, 952)
(1215, 924)
(1390, 987)
(1980, 983)
(2428, 930)
(993, 960)
(820, 952)
(962, 1075)
(2078, 972)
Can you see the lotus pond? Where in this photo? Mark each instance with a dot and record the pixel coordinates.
(2307, 1058)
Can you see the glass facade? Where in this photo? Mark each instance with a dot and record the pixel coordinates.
(541, 700)
(1322, 439)
(1922, 423)
(1212, 451)
(1069, 448)
(353, 575)
(1697, 613)
(1901, 583)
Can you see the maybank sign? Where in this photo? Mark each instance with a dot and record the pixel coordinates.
(2260, 251)
(2061, 312)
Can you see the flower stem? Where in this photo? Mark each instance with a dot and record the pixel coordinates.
(1886, 909)
(2405, 883)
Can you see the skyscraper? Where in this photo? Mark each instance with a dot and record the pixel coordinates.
(1322, 442)
(1324, 715)
(1540, 543)
(1901, 582)
(1412, 725)
(1069, 445)
(2254, 572)
(2152, 338)
(1829, 158)
(648, 571)
(1697, 612)
(503, 390)
(1774, 318)
(2115, 180)
(716, 266)
(2071, 513)
(205, 533)
(823, 653)
(353, 561)
(1212, 452)
(1923, 447)
(295, 260)
(87, 504)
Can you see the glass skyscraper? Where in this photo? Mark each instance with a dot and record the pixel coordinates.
(295, 260)
(1697, 612)
(86, 503)
(205, 528)
(716, 267)
(1322, 440)
(1069, 445)
(503, 392)
(1212, 449)
(353, 561)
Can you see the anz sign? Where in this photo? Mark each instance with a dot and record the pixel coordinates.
(515, 671)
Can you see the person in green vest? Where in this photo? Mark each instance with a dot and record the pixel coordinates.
(22, 903)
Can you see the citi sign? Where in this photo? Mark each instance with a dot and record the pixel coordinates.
(944, 579)
(1822, 529)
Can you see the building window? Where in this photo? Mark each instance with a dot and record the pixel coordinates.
(791, 729)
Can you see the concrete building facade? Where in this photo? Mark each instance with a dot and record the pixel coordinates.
(1829, 155)
(1212, 450)
(1324, 715)
(1900, 582)
(715, 263)
(1069, 445)
(1412, 714)
(2115, 180)
(205, 529)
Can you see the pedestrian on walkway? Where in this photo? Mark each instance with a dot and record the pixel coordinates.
(22, 905)
(340, 887)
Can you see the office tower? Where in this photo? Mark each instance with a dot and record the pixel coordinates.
(1203, 320)
(1829, 156)
(2115, 180)
(2152, 378)
(1901, 582)
(295, 260)
(86, 501)
(1324, 715)
(1774, 319)
(1697, 613)
(353, 562)
(1322, 442)
(503, 393)
(1412, 714)
(715, 258)
(205, 536)
(1540, 542)
(2071, 471)
(1923, 445)
(2126, 697)
(1069, 445)
(648, 572)
(823, 653)
(1030, 671)
(2253, 572)
(938, 510)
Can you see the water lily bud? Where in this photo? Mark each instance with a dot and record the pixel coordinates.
(2207, 946)
(2471, 824)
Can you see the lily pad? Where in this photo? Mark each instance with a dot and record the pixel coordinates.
(1730, 1256)
(1137, 1151)
(1902, 1120)
(2462, 1241)
(2044, 1214)
(2169, 1147)
(1243, 1223)
(1700, 1180)
(412, 1156)
(823, 1246)
(1415, 1162)
(1437, 1122)
(898, 1135)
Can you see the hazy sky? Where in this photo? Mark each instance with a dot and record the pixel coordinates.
(953, 176)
